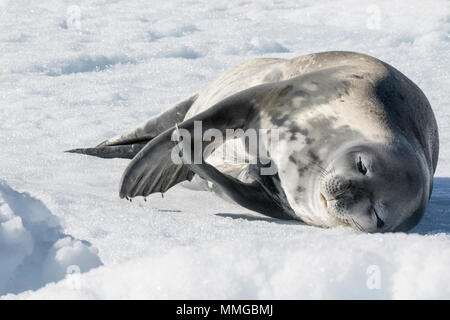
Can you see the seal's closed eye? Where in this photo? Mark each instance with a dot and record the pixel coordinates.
(361, 167)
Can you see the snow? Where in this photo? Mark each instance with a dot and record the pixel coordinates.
(77, 73)
(33, 248)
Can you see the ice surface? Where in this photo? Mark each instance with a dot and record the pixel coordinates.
(77, 73)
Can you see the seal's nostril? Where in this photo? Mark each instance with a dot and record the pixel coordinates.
(380, 223)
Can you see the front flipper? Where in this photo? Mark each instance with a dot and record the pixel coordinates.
(154, 169)
(254, 196)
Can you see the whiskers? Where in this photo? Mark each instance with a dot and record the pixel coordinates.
(350, 222)
(357, 225)
(315, 166)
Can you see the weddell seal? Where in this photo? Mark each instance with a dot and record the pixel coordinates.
(357, 142)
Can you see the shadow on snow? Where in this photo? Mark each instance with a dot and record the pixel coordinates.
(435, 220)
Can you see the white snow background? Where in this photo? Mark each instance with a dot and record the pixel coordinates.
(74, 73)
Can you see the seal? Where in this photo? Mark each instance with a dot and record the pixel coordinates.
(358, 142)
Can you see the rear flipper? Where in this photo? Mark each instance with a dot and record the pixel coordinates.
(129, 144)
(127, 151)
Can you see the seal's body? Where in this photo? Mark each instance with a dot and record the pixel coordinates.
(358, 142)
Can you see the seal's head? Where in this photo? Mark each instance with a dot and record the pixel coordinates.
(375, 188)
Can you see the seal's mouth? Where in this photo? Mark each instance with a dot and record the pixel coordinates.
(344, 220)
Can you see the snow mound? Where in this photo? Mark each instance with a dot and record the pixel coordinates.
(33, 249)
(255, 46)
(265, 45)
(325, 266)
